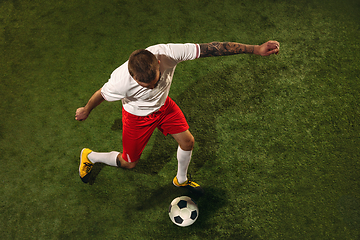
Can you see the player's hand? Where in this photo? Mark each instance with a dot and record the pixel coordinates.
(268, 48)
(81, 114)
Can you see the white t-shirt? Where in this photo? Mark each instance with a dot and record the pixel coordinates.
(143, 101)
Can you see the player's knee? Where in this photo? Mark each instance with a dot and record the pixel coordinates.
(127, 165)
(124, 164)
(192, 142)
(188, 145)
(130, 165)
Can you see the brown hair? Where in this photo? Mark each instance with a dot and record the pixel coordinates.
(143, 66)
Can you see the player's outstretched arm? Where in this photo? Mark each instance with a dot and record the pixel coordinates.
(83, 112)
(230, 48)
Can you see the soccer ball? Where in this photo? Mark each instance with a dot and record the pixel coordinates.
(183, 211)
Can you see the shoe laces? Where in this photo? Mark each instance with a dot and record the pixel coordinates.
(87, 167)
(191, 183)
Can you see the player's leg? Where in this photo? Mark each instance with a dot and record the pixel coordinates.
(113, 159)
(186, 144)
(88, 158)
(175, 124)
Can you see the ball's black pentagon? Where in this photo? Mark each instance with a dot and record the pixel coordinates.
(178, 220)
(170, 208)
(193, 215)
(182, 204)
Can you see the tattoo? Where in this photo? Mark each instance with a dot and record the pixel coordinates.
(224, 49)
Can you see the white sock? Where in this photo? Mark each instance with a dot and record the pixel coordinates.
(184, 158)
(108, 158)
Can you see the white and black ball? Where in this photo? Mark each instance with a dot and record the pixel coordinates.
(183, 211)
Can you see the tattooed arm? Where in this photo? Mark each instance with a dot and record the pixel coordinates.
(231, 48)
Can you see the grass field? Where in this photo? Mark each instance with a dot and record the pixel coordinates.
(277, 138)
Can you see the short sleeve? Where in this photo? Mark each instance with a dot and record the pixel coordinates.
(109, 93)
(115, 88)
(176, 51)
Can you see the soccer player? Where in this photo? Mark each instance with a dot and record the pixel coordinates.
(142, 84)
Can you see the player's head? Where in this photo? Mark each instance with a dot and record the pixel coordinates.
(144, 68)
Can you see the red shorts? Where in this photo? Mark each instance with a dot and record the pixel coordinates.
(137, 130)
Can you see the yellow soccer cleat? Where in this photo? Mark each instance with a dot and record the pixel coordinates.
(190, 185)
(85, 165)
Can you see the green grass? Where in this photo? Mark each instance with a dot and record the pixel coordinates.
(277, 138)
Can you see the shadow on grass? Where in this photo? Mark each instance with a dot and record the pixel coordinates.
(168, 192)
(95, 172)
